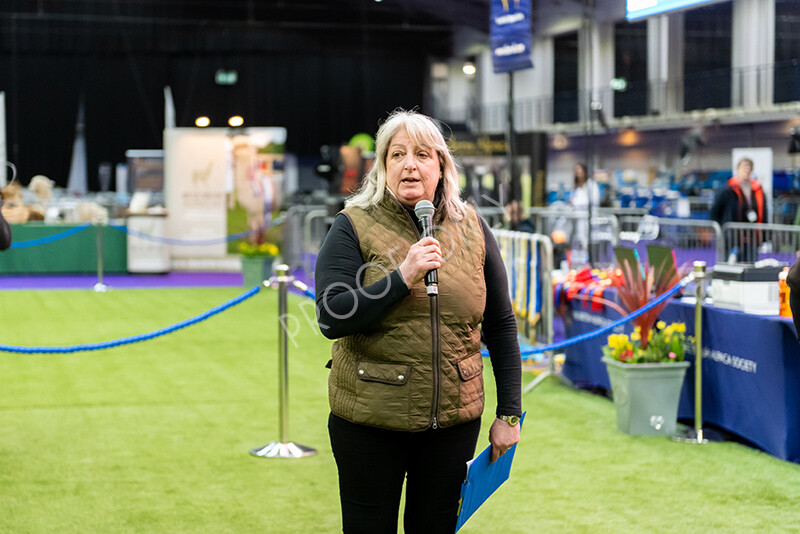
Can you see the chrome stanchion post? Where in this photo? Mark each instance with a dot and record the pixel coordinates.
(100, 287)
(699, 280)
(283, 448)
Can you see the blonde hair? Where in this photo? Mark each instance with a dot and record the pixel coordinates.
(422, 131)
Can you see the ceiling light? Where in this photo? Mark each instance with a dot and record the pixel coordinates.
(202, 122)
(236, 121)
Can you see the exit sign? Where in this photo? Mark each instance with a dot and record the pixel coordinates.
(226, 77)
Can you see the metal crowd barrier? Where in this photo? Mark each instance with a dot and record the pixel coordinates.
(786, 210)
(574, 225)
(750, 242)
(528, 260)
(316, 224)
(296, 236)
(690, 238)
(495, 215)
(622, 212)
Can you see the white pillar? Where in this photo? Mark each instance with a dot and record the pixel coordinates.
(584, 67)
(665, 46)
(752, 53)
(603, 66)
(543, 80)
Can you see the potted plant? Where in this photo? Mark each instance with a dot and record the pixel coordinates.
(647, 368)
(257, 259)
(647, 377)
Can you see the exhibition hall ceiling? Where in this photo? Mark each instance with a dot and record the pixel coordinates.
(91, 27)
(59, 16)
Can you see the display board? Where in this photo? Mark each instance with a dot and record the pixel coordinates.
(145, 171)
(207, 171)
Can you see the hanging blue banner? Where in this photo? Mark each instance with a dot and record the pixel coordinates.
(510, 35)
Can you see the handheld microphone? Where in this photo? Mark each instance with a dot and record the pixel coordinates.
(424, 212)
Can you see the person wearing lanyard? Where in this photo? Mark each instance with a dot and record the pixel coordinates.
(741, 201)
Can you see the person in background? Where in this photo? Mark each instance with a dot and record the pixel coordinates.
(583, 188)
(517, 220)
(585, 192)
(5, 230)
(405, 404)
(741, 201)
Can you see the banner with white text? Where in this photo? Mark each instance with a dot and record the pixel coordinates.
(510, 33)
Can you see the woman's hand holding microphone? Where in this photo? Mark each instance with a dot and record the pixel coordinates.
(423, 256)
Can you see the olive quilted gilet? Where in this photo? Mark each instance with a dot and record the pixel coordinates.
(394, 376)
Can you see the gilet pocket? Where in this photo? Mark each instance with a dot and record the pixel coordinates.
(471, 372)
(382, 392)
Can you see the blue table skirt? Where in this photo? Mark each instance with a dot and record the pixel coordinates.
(751, 370)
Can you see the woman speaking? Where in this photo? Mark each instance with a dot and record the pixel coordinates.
(406, 403)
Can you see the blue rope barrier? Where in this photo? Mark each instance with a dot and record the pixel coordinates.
(50, 238)
(134, 339)
(310, 294)
(622, 320)
(171, 241)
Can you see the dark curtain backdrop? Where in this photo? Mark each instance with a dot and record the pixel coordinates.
(321, 97)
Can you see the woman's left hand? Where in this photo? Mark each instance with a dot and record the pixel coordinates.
(502, 436)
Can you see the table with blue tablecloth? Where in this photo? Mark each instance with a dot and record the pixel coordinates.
(751, 370)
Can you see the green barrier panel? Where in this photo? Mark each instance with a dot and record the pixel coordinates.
(76, 254)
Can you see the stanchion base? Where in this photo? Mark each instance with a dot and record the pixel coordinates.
(100, 287)
(283, 450)
(690, 435)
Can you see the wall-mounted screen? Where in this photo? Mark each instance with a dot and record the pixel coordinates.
(637, 9)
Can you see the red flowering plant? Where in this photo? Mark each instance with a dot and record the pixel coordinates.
(636, 287)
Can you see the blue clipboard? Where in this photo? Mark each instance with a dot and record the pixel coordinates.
(483, 479)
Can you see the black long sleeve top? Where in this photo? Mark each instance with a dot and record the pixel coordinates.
(342, 311)
(5, 232)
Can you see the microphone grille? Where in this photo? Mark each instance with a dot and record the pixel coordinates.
(424, 208)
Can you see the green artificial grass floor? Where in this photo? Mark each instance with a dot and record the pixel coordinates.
(154, 437)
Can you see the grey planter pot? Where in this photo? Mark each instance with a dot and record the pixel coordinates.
(646, 395)
(256, 269)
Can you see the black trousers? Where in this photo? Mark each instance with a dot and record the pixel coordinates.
(373, 462)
